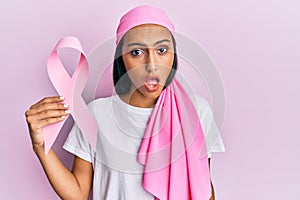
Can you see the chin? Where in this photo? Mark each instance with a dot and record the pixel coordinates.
(151, 94)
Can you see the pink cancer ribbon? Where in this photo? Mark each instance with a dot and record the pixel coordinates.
(70, 88)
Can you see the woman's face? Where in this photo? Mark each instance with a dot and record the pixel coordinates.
(148, 54)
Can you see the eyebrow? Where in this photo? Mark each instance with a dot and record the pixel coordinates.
(140, 44)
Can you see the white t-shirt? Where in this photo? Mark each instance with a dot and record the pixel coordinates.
(117, 174)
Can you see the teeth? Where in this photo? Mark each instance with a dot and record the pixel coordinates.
(152, 82)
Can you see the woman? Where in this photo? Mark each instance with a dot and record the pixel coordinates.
(145, 65)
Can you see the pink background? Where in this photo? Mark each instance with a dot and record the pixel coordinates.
(254, 44)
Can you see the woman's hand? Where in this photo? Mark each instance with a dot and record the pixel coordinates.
(68, 185)
(47, 111)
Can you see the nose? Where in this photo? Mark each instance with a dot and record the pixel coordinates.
(150, 62)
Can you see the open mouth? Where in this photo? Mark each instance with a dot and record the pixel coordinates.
(152, 83)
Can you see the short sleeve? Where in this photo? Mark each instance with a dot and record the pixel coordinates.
(214, 142)
(78, 145)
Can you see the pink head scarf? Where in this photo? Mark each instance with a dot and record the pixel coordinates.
(173, 139)
(142, 15)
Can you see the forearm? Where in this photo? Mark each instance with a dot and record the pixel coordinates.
(62, 180)
(212, 193)
(67, 185)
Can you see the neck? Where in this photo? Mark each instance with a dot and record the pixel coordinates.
(135, 98)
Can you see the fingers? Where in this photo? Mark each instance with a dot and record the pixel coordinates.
(46, 111)
(37, 127)
(55, 99)
(44, 107)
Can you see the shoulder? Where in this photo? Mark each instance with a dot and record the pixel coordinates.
(201, 104)
(100, 102)
(101, 105)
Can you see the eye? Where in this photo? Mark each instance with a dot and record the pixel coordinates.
(162, 50)
(136, 52)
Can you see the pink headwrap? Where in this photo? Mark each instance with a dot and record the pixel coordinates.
(173, 139)
(143, 15)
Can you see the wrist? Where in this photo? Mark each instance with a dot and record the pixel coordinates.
(38, 148)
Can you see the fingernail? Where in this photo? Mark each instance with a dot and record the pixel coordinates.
(65, 105)
(62, 117)
(61, 98)
(68, 111)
